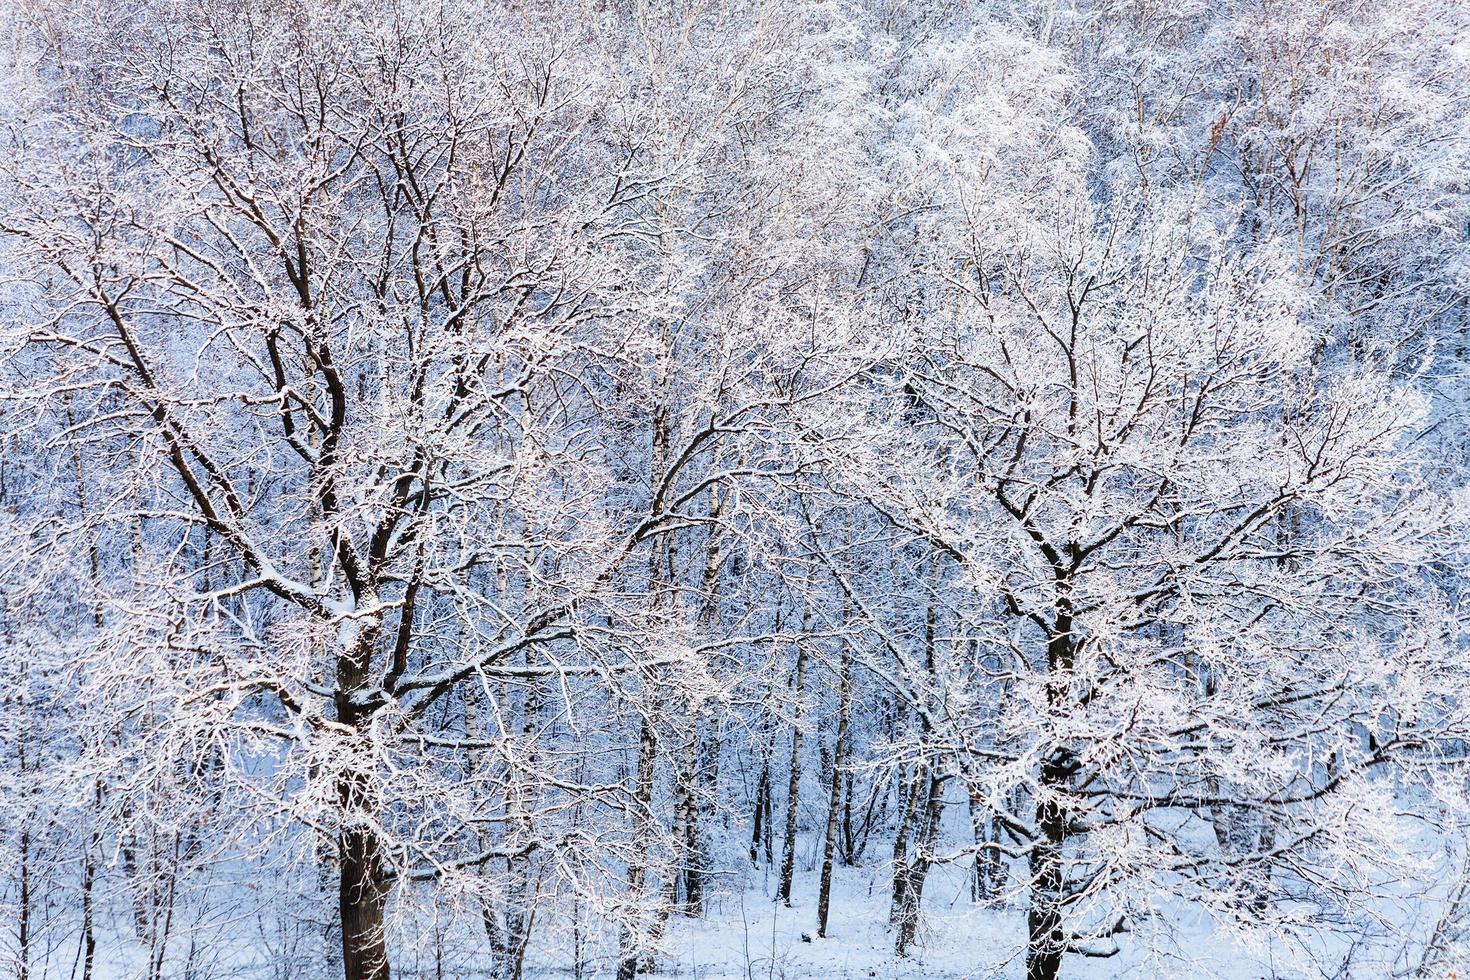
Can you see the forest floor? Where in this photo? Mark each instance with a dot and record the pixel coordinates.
(748, 935)
(751, 936)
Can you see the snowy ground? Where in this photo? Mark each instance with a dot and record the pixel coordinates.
(747, 935)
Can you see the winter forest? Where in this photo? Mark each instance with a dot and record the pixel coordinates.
(526, 490)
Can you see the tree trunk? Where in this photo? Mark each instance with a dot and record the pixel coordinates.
(696, 860)
(89, 875)
(362, 895)
(917, 871)
(1046, 942)
(793, 785)
(704, 788)
(686, 834)
(662, 561)
(768, 834)
(757, 829)
(520, 797)
(922, 798)
(638, 872)
(23, 939)
(94, 841)
(834, 801)
(910, 804)
(849, 835)
(987, 879)
(361, 900)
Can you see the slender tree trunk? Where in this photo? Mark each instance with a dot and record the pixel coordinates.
(94, 841)
(987, 879)
(683, 838)
(686, 830)
(489, 918)
(834, 802)
(921, 814)
(705, 750)
(849, 843)
(768, 835)
(139, 879)
(694, 853)
(520, 797)
(638, 871)
(762, 791)
(917, 871)
(579, 941)
(979, 890)
(793, 786)
(906, 822)
(89, 875)
(23, 937)
(760, 833)
(662, 561)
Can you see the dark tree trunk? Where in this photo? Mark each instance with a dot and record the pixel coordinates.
(768, 832)
(1046, 942)
(694, 857)
(834, 802)
(694, 873)
(362, 894)
(361, 900)
(987, 879)
(638, 873)
(757, 828)
(706, 812)
(793, 786)
(848, 857)
(909, 901)
(705, 750)
(921, 810)
(910, 804)
(23, 939)
(89, 937)
(685, 836)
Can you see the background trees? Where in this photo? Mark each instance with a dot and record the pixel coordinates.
(478, 479)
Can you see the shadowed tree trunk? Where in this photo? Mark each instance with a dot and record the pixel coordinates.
(987, 877)
(910, 804)
(834, 802)
(638, 873)
(759, 814)
(1046, 943)
(1045, 940)
(793, 785)
(362, 893)
(89, 875)
(916, 872)
(23, 936)
(920, 827)
(361, 901)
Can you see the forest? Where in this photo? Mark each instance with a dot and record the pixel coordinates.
(569, 489)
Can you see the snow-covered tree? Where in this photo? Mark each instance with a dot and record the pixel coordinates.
(1198, 628)
(485, 483)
